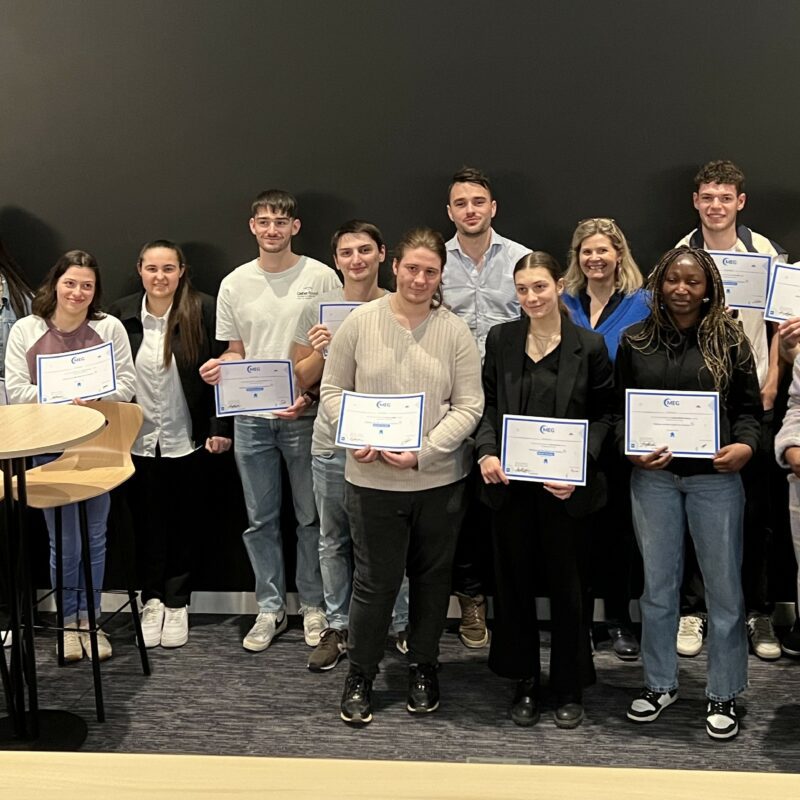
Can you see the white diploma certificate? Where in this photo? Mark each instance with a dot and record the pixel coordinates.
(258, 385)
(332, 315)
(687, 423)
(544, 450)
(745, 277)
(783, 298)
(382, 421)
(85, 374)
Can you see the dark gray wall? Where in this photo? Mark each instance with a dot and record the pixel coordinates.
(123, 122)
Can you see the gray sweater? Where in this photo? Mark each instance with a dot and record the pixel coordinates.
(373, 353)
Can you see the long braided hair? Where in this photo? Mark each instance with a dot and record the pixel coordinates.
(717, 331)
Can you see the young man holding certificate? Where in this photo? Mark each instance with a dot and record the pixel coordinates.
(690, 344)
(358, 251)
(718, 197)
(405, 502)
(480, 289)
(258, 306)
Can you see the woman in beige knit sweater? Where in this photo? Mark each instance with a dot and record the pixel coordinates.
(405, 508)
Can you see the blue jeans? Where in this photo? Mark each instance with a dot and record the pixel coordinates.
(713, 506)
(335, 544)
(258, 446)
(74, 602)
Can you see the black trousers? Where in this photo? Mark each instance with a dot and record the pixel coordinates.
(533, 526)
(472, 565)
(164, 496)
(393, 533)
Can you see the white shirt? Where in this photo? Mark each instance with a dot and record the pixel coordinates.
(167, 422)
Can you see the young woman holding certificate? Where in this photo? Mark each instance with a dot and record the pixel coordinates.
(405, 507)
(690, 342)
(543, 365)
(171, 331)
(66, 316)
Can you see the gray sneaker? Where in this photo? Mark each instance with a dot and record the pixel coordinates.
(330, 651)
(268, 625)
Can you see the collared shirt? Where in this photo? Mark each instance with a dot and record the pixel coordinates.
(486, 297)
(167, 422)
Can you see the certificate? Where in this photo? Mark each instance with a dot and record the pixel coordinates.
(258, 385)
(332, 315)
(83, 374)
(687, 423)
(544, 450)
(783, 298)
(745, 277)
(382, 421)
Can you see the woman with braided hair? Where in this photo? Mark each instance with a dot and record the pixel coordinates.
(689, 342)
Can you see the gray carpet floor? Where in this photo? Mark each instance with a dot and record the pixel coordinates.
(213, 697)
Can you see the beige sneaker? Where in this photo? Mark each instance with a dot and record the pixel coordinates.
(689, 641)
(103, 645)
(472, 631)
(72, 646)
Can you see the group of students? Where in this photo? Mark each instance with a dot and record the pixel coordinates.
(485, 327)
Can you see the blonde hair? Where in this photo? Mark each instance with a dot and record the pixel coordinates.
(628, 276)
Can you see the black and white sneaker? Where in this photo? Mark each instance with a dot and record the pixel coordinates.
(356, 706)
(721, 719)
(649, 704)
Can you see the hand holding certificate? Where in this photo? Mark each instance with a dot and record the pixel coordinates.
(80, 374)
(745, 277)
(783, 297)
(544, 450)
(686, 423)
(383, 422)
(247, 387)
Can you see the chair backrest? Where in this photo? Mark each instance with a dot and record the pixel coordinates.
(111, 447)
(93, 467)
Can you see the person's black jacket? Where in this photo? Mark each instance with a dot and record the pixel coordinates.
(584, 390)
(682, 368)
(199, 395)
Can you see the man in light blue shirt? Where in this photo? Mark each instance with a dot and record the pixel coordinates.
(478, 285)
(478, 277)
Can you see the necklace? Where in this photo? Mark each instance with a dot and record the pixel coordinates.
(539, 346)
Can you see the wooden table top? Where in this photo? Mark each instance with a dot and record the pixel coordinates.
(31, 429)
(32, 776)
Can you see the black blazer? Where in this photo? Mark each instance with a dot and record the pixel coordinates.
(584, 390)
(199, 395)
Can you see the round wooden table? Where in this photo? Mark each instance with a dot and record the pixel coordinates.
(31, 430)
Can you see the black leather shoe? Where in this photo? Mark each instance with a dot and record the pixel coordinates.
(525, 709)
(356, 707)
(624, 643)
(423, 689)
(569, 713)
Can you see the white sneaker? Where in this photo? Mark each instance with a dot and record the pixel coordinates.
(152, 622)
(72, 646)
(176, 627)
(7, 638)
(103, 645)
(690, 635)
(268, 625)
(314, 622)
(762, 637)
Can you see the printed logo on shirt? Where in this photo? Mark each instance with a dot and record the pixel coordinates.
(306, 293)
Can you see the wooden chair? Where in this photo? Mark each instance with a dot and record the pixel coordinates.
(81, 473)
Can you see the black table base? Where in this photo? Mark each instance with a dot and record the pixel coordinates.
(58, 730)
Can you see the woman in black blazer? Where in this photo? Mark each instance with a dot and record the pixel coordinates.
(171, 330)
(543, 365)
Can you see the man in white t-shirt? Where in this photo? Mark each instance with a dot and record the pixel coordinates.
(258, 306)
(718, 197)
(478, 285)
